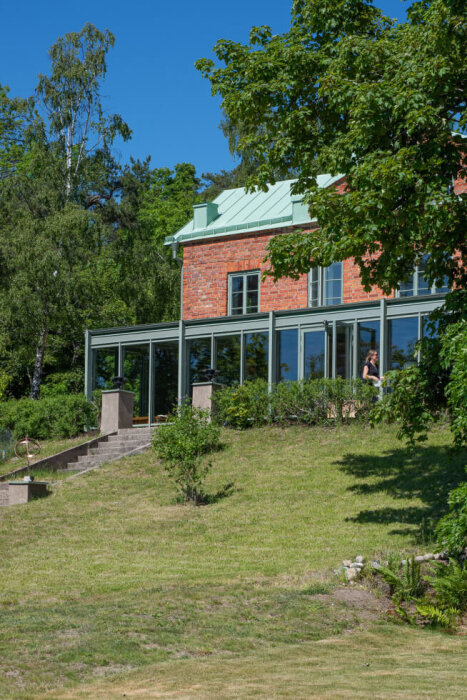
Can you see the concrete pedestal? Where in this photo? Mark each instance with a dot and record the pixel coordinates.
(24, 491)
(202, 394)
(117, 410)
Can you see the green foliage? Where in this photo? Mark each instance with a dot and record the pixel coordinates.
(450, 584)
(454, 358)
(404, 583)
(243, 406)
(406, 405)
(451, 531)
(60, 416)
(310, 402)
(347, 90)
(182, 445)
(438, 617)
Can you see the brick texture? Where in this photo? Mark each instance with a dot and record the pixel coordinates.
(207, 265)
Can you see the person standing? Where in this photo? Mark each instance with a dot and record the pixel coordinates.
(370, 369)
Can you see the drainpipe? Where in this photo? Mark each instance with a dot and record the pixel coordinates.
(175, 256)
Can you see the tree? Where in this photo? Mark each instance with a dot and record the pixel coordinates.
(58, 174)
(349, 91)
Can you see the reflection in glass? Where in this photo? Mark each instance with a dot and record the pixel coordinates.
(314, 354)
(199, 359)
(402, 336)
(228, 359)
(343, 350)
(136, 373)
(288, 355)
(333, 284)
(429, 327)
(256, 355)
(105, 368)
(165, 377)
(368, 339)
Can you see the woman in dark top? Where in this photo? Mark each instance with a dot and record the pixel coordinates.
(370, 368)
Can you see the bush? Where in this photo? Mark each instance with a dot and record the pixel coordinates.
(181, 445)
(451, 531)
(57, 417)
(316, 401)
(242, 406)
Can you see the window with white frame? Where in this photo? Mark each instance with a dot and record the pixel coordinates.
(243, 293)
(325, 285)
(417, 283)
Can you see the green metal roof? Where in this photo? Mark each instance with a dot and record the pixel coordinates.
(240, 212)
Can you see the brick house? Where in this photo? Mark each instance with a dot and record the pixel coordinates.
(322, 324)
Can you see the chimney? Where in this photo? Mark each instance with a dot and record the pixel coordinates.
(300, 213)
(203, 214)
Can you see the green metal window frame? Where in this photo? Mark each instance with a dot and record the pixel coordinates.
(242, 275)
(416, 289)
(305, 320)
(317, 279)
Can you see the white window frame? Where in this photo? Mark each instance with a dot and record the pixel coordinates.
(245, 274)
(320, 283)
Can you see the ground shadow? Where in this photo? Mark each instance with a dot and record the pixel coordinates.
(427, 473)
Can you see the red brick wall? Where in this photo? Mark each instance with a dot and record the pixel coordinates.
(207, 265)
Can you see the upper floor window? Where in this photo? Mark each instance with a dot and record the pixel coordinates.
(417, 284)
(243, 293)
(325, 285)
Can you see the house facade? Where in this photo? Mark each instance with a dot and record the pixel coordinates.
(244, 326)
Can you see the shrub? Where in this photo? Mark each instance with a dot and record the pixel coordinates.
(243, 406)
(181, 445)
(315, 401)
(451, 531)
(57, 417)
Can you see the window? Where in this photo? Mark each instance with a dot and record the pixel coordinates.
(243, 293)
(325, 285)
(417, 284)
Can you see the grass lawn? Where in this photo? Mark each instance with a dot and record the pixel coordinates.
(109, 587)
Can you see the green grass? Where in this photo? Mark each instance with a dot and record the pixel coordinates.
(110, 576)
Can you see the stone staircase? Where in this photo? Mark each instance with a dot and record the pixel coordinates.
(124, 443)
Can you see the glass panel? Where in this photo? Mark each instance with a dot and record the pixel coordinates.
(237, 284)
(237, 303)
(368, 339)
(228, 359)
(406, 289)
(136, 373)
(199, 359)
(252, 282)
(423, 287)
(314, 275)
(251, 302)
(403, 334)
(165, 377)
(429, 327)
(288, 355)
(333, 284)
(105, 368)
(256, 355)
(343, 357)
(314, 354)
(444, 286)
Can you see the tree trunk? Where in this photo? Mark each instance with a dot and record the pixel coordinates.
(37, 376)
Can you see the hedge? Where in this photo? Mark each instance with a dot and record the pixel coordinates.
(54, 417)
(310, 402)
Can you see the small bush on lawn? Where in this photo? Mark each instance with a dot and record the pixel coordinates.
(182, 444)
(315, 401)
(243, 406)
(57, 417)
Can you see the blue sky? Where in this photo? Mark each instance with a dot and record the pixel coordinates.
(151, 78)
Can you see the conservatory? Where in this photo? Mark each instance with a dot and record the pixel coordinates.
(161, 362)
